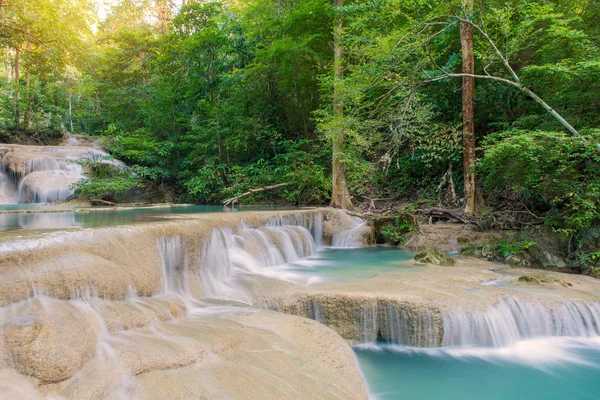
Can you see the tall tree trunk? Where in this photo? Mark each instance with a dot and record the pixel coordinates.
(340, 196)
(7, 65)
(472, 206)
(27, 116)
(17, 76)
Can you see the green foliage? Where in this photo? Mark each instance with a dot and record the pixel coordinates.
(106, 182)
(215, 98)
(552, 173)
(590, 263)
(507, 248)
(500, 249)
(396, 233)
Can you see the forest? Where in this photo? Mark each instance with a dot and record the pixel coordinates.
(485, 108)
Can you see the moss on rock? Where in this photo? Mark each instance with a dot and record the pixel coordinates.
(432, 256)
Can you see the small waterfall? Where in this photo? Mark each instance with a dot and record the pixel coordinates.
(174, 269)
(513, 319)
(229, 254)
(8, 191)
(411, 327)
(353, 236)
(424, 325)
(47, 186)
(317, 230)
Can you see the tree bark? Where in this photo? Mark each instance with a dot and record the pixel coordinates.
(7, 65)
(17, 76)
(27, 116)
(340, 196)
(472, 206)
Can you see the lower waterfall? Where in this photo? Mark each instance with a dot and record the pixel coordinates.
(513, 319)
(509, 321)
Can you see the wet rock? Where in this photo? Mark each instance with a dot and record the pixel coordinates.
(50, 346)
(529, 279)
(449, 237)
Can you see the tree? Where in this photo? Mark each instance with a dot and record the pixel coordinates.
(472, 202)
(340, 196)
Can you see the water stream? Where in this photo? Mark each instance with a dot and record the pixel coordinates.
(515, 348)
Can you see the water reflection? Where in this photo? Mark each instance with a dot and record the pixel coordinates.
(89, 217)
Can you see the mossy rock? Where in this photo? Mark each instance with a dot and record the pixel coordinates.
(538, 280)
(393, 229)
(530, 279)
(432, 256)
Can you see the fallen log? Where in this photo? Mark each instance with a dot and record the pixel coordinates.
(99, 202)
(252, 191)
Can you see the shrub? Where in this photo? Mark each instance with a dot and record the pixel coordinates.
(554, 174)
(106, 182)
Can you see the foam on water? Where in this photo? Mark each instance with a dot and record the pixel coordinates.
(538, 353)
(555, 368)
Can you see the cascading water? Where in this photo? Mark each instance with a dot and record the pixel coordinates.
(513, 319)
(8, 191)
(411, 324)
(352, 237)
(43, 174)
(174, 268)
(228, 254)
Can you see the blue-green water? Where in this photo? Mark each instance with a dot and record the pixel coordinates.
(346, 264)
(29, 216)
(541, 369)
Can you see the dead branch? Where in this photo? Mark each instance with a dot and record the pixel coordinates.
(252, 191)
(100, 202)
(442, 212)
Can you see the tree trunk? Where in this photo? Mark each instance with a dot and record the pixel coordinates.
(472, 206)
(27, 116)
(340, 196)
(17, 76)
(7, 65)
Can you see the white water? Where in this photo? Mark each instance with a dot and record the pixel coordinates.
(350, 237)
(513, 319)
(509, 321)
(229, 254)
(43, 174)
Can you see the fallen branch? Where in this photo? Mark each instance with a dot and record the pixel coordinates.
(252, 191)
(99, 202)
(442, 212)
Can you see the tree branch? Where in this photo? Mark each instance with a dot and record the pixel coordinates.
(252, 191)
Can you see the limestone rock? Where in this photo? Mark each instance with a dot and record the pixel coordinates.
(431, 256)
(50, 346)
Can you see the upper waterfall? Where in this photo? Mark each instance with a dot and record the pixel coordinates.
(44, 174)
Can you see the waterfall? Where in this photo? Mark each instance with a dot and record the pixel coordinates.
(513, 319)
(174, 260)
(353, 236)
(423, 325)
(229, 254)
(8, 192)
(43, 174)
